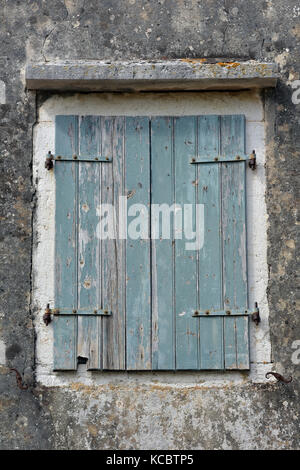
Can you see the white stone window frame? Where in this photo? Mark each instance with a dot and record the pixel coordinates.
(248, 103)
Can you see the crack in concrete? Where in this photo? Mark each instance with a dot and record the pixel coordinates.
(47, 36)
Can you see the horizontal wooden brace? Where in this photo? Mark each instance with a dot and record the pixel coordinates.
(222, 313)
(221, 158)
(76, 312)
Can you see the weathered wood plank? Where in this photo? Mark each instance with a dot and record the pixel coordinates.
(66, 236)
(210, 256)
(187, 327)
(242, 343)
(234, 240)
(89, 340)
(65, 343)
(211, 346)
(89, 289)
(66, 177)
(113, 265)
(162, 193)
(66, 135)
(138, 279)
(90, 137)
(234, 215)
(107, 242)
(208, 130)
(234, 236)
(230, 350)
(114, 328)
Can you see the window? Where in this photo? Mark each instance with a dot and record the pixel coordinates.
(149, 303)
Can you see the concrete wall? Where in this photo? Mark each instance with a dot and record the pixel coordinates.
(135, 412)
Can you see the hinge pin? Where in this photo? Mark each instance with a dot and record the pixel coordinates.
(49, 161)
(252, 160)
(255, 314)
(47, 315)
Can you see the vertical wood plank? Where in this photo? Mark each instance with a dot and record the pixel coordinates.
(185, 260)
(242, 343)
(89, 290)
(89, 340)
(114, 327)
(66, 135)
(234, 239)
(208, 137)
(210, 256)
(212, 347)
(234, 214)
(230, 349)
(138, 278)
(107, 244)
(66, 177)
(162, 192)
(234, 235)
(65, 342)
(89, 137)
(113, 249)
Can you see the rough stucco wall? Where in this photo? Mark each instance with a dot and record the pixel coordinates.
(247, 416)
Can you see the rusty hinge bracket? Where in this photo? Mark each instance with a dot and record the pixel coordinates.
(252, 160)
(47, 315)
(82, 158)
(49, 161)
(81, 311)
(228, 312)
(255, 314)
(279, 377)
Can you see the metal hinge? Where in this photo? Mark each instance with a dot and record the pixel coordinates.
(47, 317)
(81, 311)
(51, 158)
(228, 312)
(82, 158)
(49, 161)
(226, 158)
(255, 314)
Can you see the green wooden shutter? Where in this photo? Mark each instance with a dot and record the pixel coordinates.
(214, 279)
(89, 275)
(151, 287)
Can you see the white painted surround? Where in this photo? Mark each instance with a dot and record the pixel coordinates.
(167, 104)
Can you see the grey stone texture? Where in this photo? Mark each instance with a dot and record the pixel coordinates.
(183, 74)
(247, 416)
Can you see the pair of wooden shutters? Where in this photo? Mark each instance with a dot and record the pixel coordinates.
(142, 304)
